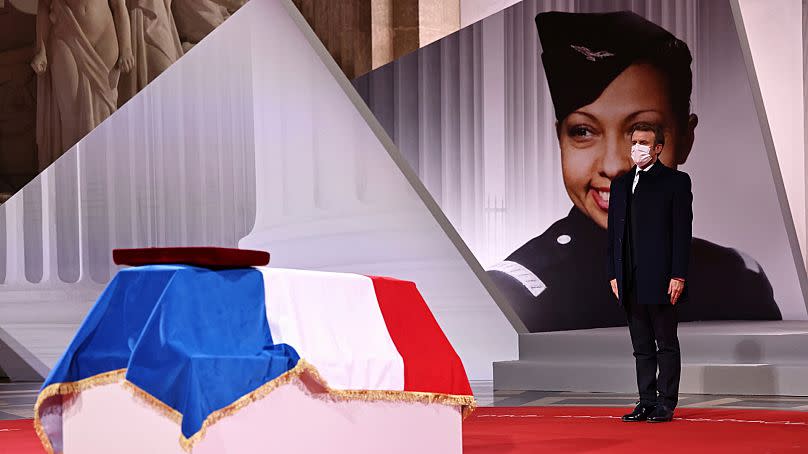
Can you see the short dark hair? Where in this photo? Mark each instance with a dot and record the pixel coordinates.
(659, 133)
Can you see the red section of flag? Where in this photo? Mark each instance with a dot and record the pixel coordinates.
(430, 362)
(208, 257)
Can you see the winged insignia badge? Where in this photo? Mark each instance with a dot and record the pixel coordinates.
(590, 54)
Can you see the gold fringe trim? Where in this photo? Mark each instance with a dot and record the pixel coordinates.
(257, 394)
(306, 373)
(467, 402)
(305, 370)
(61, 389)
(153, 402)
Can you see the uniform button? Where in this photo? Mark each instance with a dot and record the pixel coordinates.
(563, 239)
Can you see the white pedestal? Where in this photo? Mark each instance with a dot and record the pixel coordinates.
(109, 418)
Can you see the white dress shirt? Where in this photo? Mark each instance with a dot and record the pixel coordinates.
(637, 175)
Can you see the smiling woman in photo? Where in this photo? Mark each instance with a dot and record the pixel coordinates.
(607, 73)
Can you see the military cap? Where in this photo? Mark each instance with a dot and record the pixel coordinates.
(583, 53)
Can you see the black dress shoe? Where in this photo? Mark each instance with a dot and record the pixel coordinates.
(640, 413)
(661, 414)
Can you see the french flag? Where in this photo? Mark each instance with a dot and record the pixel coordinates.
(196, 341)
(384, 325)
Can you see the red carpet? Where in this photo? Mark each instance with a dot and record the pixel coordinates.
(523, 430)
(18, 437)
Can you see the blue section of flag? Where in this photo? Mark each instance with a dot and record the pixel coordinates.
(196, 339)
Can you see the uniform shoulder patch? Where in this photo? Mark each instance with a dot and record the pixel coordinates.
(525, 277)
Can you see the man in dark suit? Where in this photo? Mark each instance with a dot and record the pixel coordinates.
(649, 233)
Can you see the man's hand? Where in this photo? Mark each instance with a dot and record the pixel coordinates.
(614, 288)
(675, 289)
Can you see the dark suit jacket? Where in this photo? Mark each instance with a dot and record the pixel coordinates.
(664, 216)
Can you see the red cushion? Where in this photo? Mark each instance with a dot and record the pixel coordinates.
(209, 257)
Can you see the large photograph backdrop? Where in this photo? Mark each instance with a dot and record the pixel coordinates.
(474, 117)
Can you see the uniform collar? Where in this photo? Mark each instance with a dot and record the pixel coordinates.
(582, 226)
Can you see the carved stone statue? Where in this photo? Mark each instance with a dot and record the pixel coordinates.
(82, 45)
(155, 44)
(196, 18)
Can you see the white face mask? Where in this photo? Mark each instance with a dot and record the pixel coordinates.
(641, 154)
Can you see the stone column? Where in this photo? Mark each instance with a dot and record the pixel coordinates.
(436, 19)
(363, 35)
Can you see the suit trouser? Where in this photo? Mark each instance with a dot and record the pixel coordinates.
(656, 345)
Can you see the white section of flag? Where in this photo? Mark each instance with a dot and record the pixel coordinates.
(334, 322)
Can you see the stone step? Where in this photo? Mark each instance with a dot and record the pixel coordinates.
(705, 342)
(619, 377)
(731, 357)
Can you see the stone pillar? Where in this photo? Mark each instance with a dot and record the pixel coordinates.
(382, 33)
(345, 29)
(363, 35)
(436, 19)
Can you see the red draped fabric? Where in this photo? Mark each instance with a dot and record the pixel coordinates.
(430, 362)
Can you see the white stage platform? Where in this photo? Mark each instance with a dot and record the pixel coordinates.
(732, 357)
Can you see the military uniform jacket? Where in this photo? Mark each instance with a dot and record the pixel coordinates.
(573, 291)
